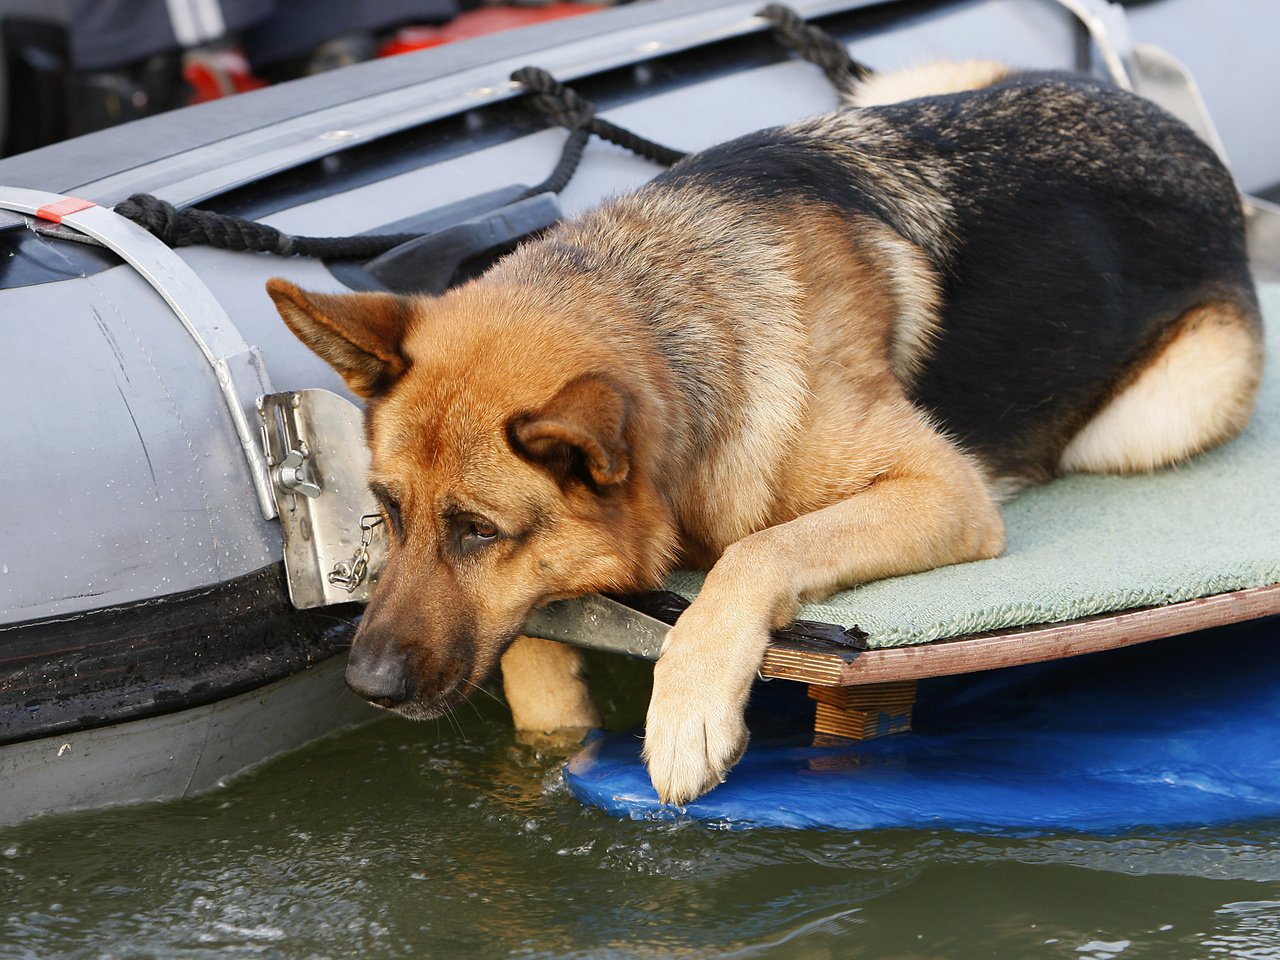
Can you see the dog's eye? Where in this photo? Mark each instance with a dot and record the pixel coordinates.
(475, 533)
(393, 514)
(481, 530)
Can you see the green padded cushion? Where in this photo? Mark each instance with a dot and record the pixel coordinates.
(1086, 545)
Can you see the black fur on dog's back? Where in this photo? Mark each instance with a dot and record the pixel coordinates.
(1069, 222)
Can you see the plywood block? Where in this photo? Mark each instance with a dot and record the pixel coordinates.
(863, 712)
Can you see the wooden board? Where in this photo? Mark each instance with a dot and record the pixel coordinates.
(831, 666)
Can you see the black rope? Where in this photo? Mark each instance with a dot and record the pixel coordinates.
(551, 97)
(566, 167)
(191, 227)
(570, 109)
(636, 143)
(817, 46)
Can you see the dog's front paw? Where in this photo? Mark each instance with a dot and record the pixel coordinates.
(694, 732)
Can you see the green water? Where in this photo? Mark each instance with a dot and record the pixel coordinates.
(453, 840)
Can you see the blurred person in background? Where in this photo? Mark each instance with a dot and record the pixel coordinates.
(79, 65)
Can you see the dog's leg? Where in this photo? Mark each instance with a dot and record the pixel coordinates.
(929, 508)
(546, 687)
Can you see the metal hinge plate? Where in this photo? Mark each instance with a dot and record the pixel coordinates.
(319, 465)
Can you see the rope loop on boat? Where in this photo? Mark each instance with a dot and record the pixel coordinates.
(565, 106)
(566, 166)
(568, 108)
(814, 44)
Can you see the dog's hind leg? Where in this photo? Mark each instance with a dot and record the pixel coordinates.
(1195, 392)
(546, 687)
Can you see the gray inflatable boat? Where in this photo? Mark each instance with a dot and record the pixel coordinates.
(166, 437)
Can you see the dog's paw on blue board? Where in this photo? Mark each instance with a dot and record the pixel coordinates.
(1178, 732)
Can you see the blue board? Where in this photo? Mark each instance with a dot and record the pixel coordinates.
(1177, 732)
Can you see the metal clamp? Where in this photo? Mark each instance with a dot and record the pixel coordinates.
(287, 453)
(314, 442)
(294, 472)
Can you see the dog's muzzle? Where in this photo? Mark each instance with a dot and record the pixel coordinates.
(380, 679)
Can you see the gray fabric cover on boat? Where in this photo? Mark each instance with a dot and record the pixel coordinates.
(1086, 545)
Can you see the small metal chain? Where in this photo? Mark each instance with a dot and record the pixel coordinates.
(349, 574)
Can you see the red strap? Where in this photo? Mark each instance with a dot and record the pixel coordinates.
(65, 206)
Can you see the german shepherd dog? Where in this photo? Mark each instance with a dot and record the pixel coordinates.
(807, 358)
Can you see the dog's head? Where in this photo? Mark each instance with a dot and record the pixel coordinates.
(509, 462)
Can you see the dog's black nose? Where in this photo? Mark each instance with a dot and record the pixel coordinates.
(379, 678)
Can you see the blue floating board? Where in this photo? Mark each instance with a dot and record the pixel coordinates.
(1177, 732)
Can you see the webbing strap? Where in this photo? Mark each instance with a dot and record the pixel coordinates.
(237, 366)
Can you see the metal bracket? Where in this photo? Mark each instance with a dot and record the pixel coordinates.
(1108, 28)
(238, 367)
(601, 624)
(314, 442)
(1162, 78)
(1262, 223)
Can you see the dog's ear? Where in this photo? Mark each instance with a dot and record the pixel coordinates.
(579, 434)
(358, 334)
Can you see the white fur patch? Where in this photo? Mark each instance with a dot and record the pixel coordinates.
(926, 80)
(1198, 393)
(914, 284)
